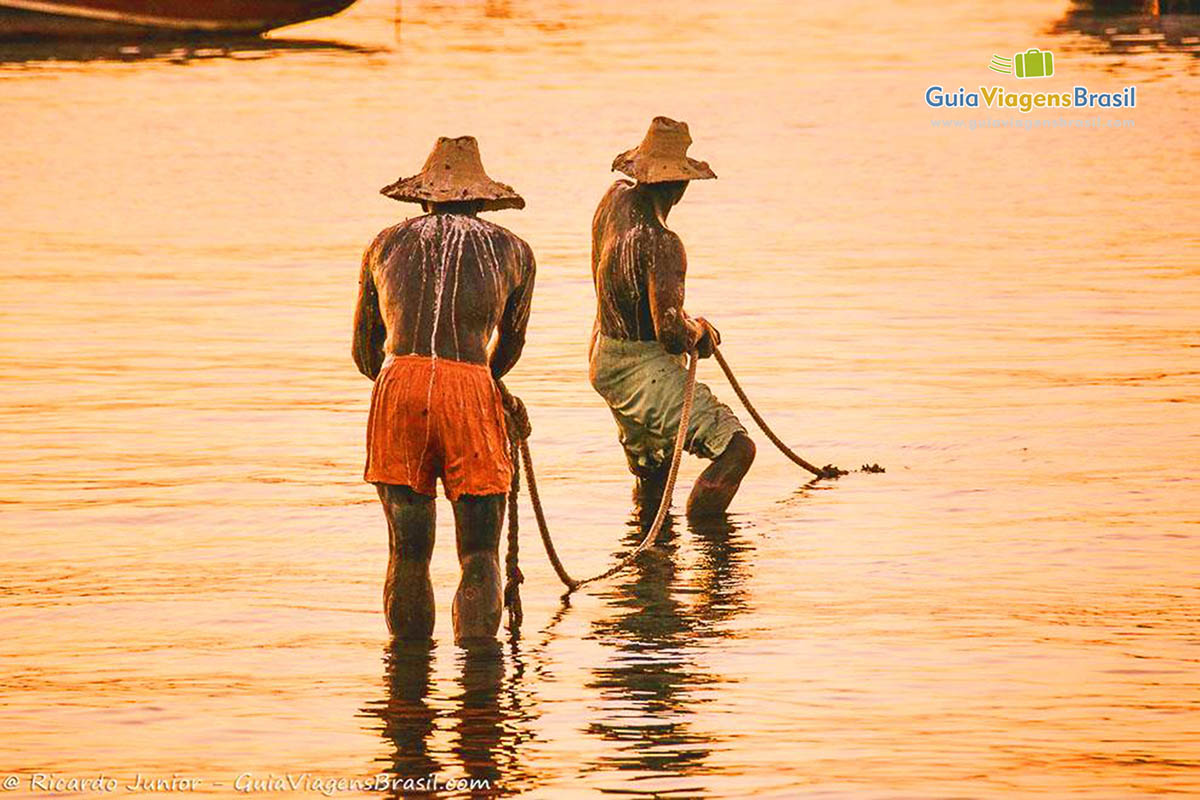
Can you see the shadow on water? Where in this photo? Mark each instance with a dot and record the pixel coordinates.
(165, 50)
(474, 734)
(654, 683)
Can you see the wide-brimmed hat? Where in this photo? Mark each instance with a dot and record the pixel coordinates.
(662, 156)
(453, 173)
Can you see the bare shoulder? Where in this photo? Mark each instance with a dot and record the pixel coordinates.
(388, 238)
(611, 199)
(393, 231)
(514, 244)
(619, 189)
(492, 229)
(657, 240)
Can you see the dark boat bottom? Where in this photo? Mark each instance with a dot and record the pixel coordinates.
(1179, 32)
(17, 24)
(175, 49)
(86, 19)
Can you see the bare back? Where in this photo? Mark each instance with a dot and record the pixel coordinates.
(444, 282)
(638, 268)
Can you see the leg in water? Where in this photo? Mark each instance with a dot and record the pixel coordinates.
(716, 486)
(649, 484)
(478, 603)
(407, 590)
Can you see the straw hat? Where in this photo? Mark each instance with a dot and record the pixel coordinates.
(662, 155)
(453, 173)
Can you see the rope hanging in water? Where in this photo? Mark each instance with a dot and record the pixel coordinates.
(828, 471)
(513, 576)
(519, 430)
(664, 505)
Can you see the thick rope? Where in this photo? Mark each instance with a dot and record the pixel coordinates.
(519, 432)
(519, 429)
(664, 505)
(514, 578)
(536, 501)
(827, 472)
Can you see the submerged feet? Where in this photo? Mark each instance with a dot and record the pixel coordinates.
(717, 485)
(478, 603)
(408, 601)
(714, 489)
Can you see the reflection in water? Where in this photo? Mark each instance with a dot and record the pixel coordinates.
(1136, 33)
(476, 734)
(472, 12)
(654, 682)
(492, 719)
(177, 52)
(424, 9)
(409, 721)
(1006, 318)
(721, 573)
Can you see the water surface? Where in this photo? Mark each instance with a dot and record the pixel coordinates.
(1005, 319)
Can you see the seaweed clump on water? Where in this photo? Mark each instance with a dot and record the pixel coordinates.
(872, 468)
(830, 471)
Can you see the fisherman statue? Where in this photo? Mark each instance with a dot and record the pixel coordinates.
(433, 291)
(641, 333)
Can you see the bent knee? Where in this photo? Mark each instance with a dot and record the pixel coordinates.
(741, 449)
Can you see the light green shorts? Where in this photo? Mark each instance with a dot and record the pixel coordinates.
(643, 385)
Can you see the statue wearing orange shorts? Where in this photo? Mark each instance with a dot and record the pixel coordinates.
(433, 290)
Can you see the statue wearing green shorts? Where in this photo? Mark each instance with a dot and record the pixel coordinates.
(637, 356)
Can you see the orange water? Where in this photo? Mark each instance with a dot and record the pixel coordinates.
(1006, 319)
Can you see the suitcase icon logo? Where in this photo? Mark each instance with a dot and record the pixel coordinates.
(1033, 63)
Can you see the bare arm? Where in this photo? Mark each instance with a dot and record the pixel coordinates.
(369, 330)
(667, 271)
(515, 320)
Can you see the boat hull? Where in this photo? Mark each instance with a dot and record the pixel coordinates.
(136, 19)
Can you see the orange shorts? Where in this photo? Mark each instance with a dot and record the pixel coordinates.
(438, 418)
